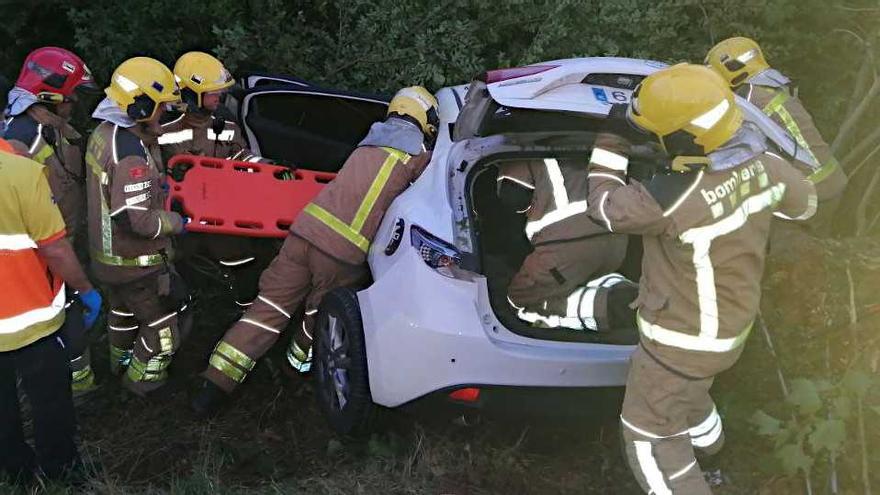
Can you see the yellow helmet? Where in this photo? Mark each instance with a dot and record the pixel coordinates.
(688, 107)
(199, 73)
(139, 85)
(420, 105)
(737, 60)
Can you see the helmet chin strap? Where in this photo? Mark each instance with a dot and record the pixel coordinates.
(684, 164)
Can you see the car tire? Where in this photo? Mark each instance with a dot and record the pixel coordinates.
(340, 366)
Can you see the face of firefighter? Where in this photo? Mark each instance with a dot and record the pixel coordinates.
(211, 101)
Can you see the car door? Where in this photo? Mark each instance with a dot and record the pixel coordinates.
(295, 122)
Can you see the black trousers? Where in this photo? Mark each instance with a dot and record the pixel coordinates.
(44, 370)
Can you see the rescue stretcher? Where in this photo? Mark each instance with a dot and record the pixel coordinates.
(240, 198)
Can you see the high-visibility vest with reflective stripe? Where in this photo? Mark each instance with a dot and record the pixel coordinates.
(353, 231)
(776, 106)
(32, 302)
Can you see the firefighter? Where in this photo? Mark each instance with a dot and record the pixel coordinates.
(36, 261)
(568, 252)
(37, 125)
(203, 130)
(129, 232)
(704, 227)
(741, 62)
(327, 245)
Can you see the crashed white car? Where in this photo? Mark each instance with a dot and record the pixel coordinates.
(434, 322)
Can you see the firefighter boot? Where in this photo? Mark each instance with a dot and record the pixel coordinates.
(208, 399)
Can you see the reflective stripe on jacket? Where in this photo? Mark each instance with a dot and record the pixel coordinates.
(194, 135)
(788, 111)
(342, 220)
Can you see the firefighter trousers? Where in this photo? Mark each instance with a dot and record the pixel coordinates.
(553, 271)
(45, 378)
(668, 419)
(299, 275)
(143, 332)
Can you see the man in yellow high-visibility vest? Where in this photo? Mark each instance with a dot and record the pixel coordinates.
(741, 62)
(327, 245)
(36, 261)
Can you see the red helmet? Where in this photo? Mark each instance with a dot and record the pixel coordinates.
(53, 74)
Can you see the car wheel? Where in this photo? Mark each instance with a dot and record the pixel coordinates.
(343, 386)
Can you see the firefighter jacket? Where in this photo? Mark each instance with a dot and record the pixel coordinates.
(32, 305)
(786, 110)
(49, 140)
(554, 199)
(129, 231)
(342, 220)
(704, 235)
(196, 134)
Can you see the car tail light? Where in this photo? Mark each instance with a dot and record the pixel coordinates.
(436, 253)
(498, 75)
(466, 395)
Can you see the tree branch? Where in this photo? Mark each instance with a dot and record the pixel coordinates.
(853, 118)
(862, 208)
(862, 163)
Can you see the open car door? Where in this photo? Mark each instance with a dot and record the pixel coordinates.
(297, 123)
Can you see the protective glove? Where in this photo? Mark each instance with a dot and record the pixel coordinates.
(92, 302)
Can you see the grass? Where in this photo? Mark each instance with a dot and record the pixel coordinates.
(272, 440)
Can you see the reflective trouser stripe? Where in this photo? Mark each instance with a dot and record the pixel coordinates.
(231, 362)
(691, 342)
(352, 233)
(777, 106)
(298, 358)
(154, 370)
(650, 469)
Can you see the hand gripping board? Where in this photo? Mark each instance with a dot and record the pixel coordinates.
(240, 198)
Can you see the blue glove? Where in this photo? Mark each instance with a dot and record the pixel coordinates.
(92, 302)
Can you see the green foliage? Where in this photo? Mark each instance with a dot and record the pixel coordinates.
(817, 426)
(381, 45)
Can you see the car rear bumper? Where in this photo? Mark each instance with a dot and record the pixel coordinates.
(424, 332)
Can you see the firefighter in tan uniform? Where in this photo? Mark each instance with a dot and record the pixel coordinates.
(37, 126)
(328, 243)
(201, 131)
(741, 62)
(568, 251)
(704, 226)
(129, 232)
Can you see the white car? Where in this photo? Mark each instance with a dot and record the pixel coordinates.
(433, 321)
